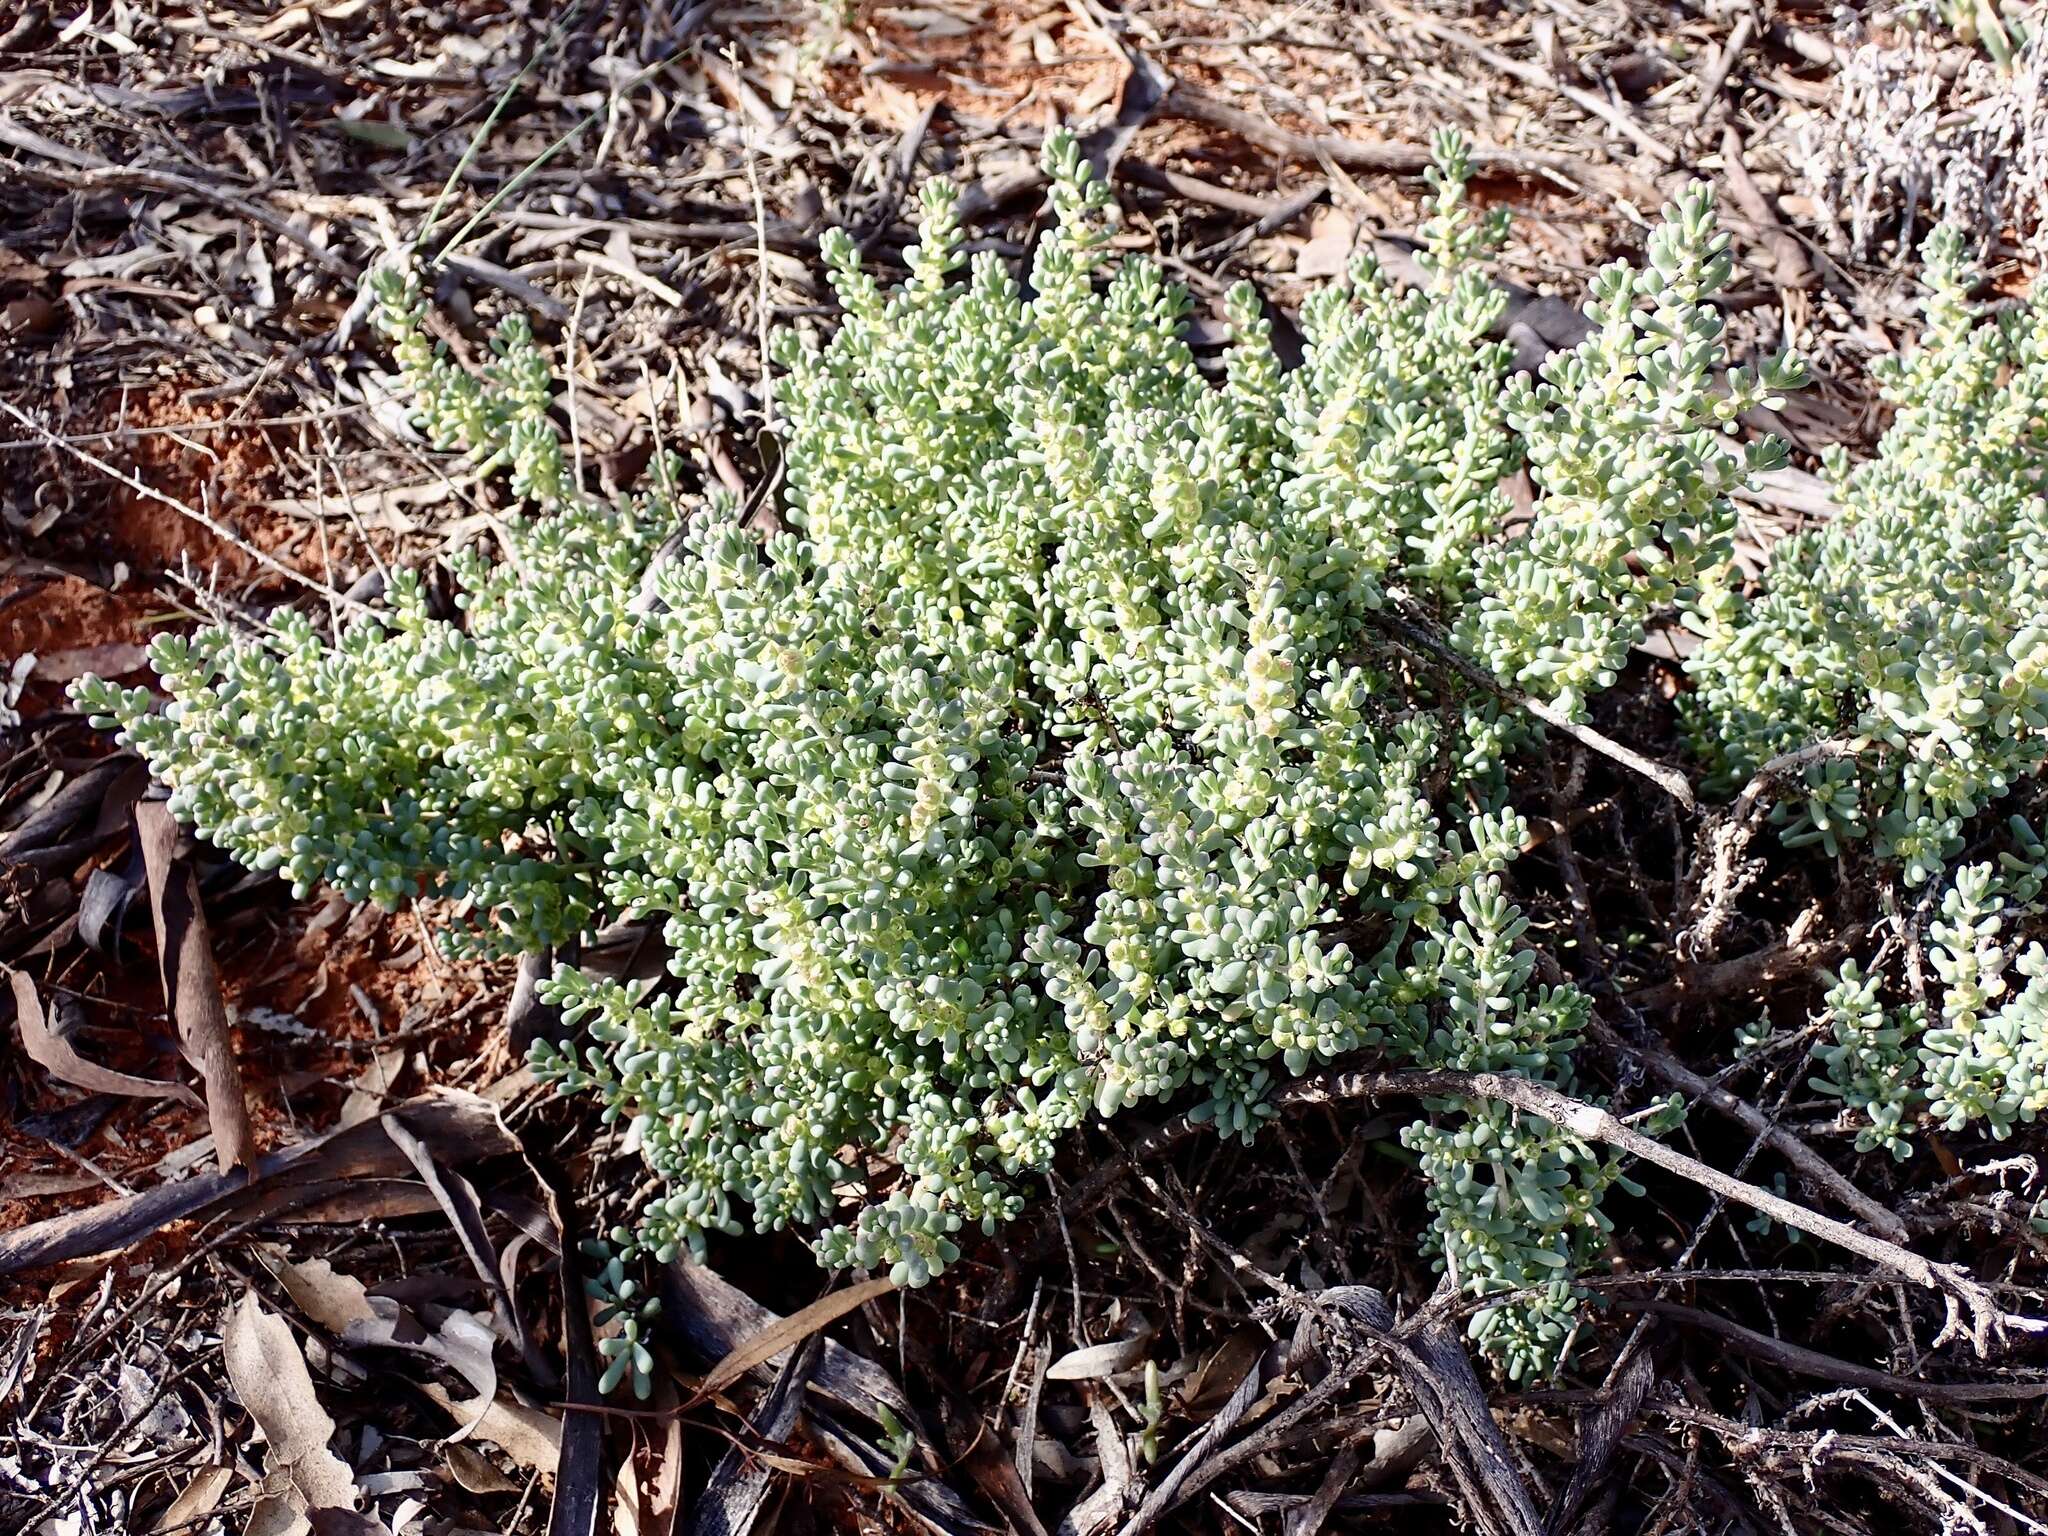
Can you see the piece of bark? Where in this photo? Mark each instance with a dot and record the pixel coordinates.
(55, 1055)
(191, 984)
(460, 1127)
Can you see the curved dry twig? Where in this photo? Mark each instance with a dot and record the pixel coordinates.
(1964, 1296)
(1724, 844)
(1417, 636)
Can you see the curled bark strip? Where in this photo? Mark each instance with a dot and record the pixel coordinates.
(458, 1201)
(460, 1127)
(779, 1336)
(706, 1317)
(527, 1018)
(48, 823)
(192, 984)
(54, 1054)
(579, 1473)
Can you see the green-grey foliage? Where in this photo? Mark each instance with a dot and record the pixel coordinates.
(1050, 761)
(1913, 626)
(1980, 1055)
(1915, 620)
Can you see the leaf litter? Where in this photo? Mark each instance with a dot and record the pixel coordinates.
(189, 191)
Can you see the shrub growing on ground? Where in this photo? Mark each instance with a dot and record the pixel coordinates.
(1052, 759)
(1913, 627)
(1915, 622)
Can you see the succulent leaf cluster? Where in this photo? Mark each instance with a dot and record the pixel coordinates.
(1626, 436)
(1915, 621)
(1976, 1054)
(1047, 760)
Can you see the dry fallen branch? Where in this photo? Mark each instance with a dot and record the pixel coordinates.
(1964, 1296)
(1673, 1073)
(212, 525)
(1799, 954)
(1402, 159)
(1987, 1321)
(1415, 634)
(1801, 1361)
(86, 173)
(460, 1127)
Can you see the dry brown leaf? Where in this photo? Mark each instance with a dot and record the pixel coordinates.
(54, 1054)
(665, 1493)
(270, 1377)
(114, 659)
(340, 1304)
(530, 1436)
(1097, 1361)
(783, 1332)
(627, 1517)
(192, 984)
(197, 1499)
(476, 1474)
(335, 1301)
(1327, 251)
(374, 1088)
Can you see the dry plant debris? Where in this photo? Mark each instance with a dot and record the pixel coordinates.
(1195, 1335)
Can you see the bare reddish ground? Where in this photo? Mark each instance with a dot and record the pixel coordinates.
(345, 976)
(220, 469)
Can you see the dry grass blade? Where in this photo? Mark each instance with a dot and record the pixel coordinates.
(707, 1318)
(192, 984)
(733, 1499)
(781, 1334)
